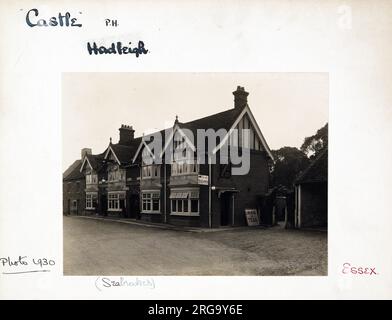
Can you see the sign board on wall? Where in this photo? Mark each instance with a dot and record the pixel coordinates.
(251, 217)
(202, 179)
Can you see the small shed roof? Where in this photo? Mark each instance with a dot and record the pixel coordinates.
(317, 170)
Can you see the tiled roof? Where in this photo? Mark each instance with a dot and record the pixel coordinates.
(125, 152)
(317, 170)
(75, 173)
(96, 160)
(71, 168)
(224, 120)
(221, 120)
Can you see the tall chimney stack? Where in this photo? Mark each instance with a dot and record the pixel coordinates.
(240, 97)
(127, 134)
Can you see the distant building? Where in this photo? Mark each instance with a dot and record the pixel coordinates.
(119, 182)
(311, 194)
(74, 187)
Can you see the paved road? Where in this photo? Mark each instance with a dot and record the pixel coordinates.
(94, 247)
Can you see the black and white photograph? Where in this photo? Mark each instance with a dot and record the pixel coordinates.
(196, 150)
(190, 174)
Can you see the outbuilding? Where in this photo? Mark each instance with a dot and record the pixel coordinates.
(311, 194)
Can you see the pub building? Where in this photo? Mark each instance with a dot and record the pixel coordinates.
(121, 183)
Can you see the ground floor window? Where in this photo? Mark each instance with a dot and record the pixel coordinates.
(185, 202)
(151, 202)
(185, 206)
(114, 201)
(91, 200)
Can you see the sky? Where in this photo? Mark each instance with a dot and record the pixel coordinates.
(287, 106)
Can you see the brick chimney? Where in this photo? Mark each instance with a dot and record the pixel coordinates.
(240, 97)
(127, 134)
(85, 151)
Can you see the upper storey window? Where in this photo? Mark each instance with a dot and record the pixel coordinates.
(116, 174)
(91, 178)
(151, 171)
(182, 167)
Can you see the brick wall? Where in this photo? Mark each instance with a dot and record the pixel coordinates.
(255, 183)
(74, 190)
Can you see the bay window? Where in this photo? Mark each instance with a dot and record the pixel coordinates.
(116, 174)
(179, 168)
(151, 171)
(151, 202)
(91, 200)
(91, 178)
(185, 202)
(114, 201)
(194, 205)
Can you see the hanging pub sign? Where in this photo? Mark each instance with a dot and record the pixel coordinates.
(251, 217)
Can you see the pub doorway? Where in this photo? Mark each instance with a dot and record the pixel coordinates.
(225, 208)
(134, 206)
(103, 205)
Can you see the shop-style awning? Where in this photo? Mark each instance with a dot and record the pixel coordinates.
(179, 195)
(190, 194)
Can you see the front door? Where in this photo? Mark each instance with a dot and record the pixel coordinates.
(134, 203)
(225, 208)
(103, 205)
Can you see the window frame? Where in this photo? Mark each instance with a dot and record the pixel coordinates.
(181, 168)
(89, 201)
(189, 212)
(91, 178)
(151, 171)
(147, 202)
(114, 198)
(116, 174)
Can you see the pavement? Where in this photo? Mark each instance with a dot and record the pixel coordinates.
(163, 225)
(106, 246)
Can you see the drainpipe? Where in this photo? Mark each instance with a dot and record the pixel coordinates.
(296, 206)
(232, 220)
(209, 193)
(140, 192)
(299, 206)
(164, 192)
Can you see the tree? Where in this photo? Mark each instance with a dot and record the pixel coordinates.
(314, 144)
(289, 162)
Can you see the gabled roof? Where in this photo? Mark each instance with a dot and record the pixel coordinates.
(221, 120)
(317, 170)
(74, 173)
(144, 141)
(75, 164)
(123, 152)
(95, 161)
(246, 110)
(216, 121)
(224, 120)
